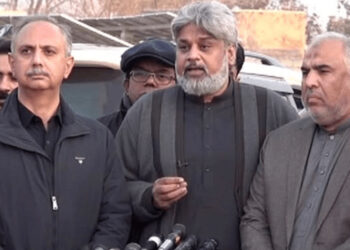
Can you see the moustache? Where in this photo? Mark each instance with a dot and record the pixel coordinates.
(3, 95)
(312, 94)
(36, 72)
(195, 66)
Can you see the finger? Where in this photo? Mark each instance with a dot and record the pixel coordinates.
(174, 195)
(170, 180)
(165, 204)
(164, 189)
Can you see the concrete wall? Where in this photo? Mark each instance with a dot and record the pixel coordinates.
(277, 33)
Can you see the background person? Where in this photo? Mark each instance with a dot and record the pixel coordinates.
(7, 80)
(299, 198)
(148, 66)
(58, 173)
(240, 58)
(189, 152)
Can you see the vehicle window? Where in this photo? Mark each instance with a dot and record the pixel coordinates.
(93, 91)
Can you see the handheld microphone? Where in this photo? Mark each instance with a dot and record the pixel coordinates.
(189, 244)
(153, 242)
(210, 244)
(132, 246)
(179, 232)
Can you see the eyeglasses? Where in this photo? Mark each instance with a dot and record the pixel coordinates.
(142, 76)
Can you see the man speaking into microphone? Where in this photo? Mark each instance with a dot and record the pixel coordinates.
(190, 151)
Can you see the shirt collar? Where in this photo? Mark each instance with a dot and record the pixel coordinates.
(26, 116)
(343, 126)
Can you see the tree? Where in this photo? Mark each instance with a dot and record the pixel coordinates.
(341, 25)
(313, 27)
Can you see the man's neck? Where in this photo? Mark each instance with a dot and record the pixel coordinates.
(209, 98)
(43, 104)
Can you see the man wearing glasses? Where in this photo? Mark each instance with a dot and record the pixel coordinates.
(148, 66)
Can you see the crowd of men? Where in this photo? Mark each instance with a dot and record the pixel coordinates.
(189, 145)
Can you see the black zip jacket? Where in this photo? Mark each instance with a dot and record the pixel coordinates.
(84, 203)
(114, 120)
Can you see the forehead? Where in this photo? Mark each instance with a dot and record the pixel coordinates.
(327, 52)
(40, 33)
(192, 31)
(4, 62)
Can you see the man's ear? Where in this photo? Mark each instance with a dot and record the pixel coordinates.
(69, 66)
(126, 84)
(231, 55)
(11, 62)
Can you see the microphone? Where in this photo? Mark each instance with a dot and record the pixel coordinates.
(132, 246)
(179, 232)
(210, 244)
(153, 242)
(189, 244)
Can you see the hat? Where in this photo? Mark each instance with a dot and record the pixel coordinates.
(161, 50)
(5, 46)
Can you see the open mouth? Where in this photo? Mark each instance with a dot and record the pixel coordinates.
(195, 72)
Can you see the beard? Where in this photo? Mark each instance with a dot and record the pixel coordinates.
(210, 84)
(3, 96)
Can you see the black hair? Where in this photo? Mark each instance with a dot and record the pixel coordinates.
(5, 46)
(240, 57)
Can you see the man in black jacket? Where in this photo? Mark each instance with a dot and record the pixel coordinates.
(154, 58)
(60, 184)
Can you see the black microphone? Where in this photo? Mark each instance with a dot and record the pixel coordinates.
(132, 246)
(153, 242)
(210, 244)
(179, 232)
(189, 244)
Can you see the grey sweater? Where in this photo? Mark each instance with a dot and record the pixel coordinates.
(134, 142)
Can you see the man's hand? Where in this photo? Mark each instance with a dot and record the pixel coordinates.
(167, 190)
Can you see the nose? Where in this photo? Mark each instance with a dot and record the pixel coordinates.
(150, 80)
(311, 79)
(5, 84)
(37, 57)
(193, 54)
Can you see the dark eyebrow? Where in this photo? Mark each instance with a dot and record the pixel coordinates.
(303, 68)
(27, 46)
(208, 38)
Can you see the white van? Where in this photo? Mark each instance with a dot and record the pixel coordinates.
(94, 88)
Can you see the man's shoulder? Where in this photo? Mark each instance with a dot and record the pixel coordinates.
(294, 126)
(257, 90)
(108, 119)
(82, 124)
(144, 104)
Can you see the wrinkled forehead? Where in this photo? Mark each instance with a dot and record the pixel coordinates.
(40, 32)
(327, 51)
(192, 29)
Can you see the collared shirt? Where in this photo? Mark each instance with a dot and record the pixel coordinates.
(47, 139)
(325, 150)
(209, 209)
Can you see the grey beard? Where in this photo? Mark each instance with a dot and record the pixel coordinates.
(206, 86)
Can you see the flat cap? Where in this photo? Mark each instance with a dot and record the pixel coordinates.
(161, 50)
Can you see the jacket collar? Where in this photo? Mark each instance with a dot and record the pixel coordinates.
(13, 133)
(125, 104)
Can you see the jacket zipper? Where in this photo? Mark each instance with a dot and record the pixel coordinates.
(54, 218)
(54, 203)
(54, 200)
